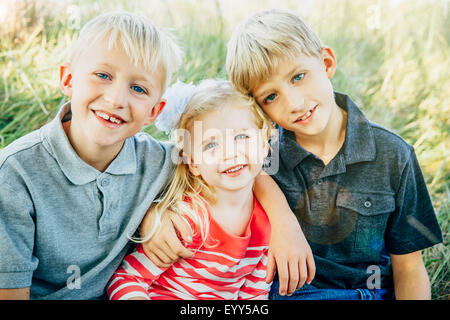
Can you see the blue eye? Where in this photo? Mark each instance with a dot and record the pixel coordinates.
(103, 76)
(270, 98)
(210, 145)
(241, 136)
(298, 77)
(138, 89)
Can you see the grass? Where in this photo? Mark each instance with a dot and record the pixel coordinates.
(393, 60)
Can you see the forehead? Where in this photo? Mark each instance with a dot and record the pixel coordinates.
(226, 119)
(282, 68)
(114, 58)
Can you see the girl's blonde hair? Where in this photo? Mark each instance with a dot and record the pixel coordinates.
(142, 41)
(210, 95)
(259, 43)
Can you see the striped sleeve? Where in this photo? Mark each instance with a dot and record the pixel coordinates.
(134, 277)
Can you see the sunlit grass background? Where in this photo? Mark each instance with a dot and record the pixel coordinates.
(393, 60)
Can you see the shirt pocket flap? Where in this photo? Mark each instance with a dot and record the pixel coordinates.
(366, 204)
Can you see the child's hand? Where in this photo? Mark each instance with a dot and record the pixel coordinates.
(165, 247)
(291, 254)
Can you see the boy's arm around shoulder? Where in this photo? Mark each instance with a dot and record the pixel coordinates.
(17, 232)
(289, 250)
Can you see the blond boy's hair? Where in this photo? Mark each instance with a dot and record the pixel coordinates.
(142, 41)
(259, 43)
(209, 96)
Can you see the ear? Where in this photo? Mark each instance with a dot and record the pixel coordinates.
(330, 61)
(155, 112)
(65, 79)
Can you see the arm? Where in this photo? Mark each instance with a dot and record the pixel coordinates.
(289, 250)
(17, 234)
(15, 294)
(410, 277)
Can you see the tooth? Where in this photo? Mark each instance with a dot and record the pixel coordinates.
(112, 119)
(306, 116)
(103, 115)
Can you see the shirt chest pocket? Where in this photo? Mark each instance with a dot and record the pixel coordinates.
(373, 211)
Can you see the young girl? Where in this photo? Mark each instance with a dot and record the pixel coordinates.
(223, 137)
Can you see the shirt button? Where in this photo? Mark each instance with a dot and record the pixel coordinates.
(367, 204)
(105, 183)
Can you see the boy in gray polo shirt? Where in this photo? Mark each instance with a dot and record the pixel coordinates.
(356, 188)
(73, 189)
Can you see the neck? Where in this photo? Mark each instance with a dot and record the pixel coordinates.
(328, 143)
(237, 199)
(93, 155)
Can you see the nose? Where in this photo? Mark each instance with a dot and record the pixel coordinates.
(230, 147)
(116, 95)
(294, 99)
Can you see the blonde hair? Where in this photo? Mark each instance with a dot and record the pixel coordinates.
(210, 95)
(141, 40)
(259, 43)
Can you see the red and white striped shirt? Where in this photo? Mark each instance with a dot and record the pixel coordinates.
(233, 269)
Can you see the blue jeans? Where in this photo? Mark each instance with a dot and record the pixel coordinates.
(309, 292)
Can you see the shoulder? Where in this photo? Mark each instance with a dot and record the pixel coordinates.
(390, 145)
(22, 148)
(145, 142)
(153, 152)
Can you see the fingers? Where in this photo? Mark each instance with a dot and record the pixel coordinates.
(271, 266)
(311, 267)
(154, 258)
(294, 274)
(182, 227)
(303, 273)
(165, 247)
(176, 249)
(283, 276)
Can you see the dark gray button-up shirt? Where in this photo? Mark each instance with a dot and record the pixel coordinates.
(369, 201)
(63, 223)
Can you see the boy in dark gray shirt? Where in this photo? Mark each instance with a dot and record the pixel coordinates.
(356, 188)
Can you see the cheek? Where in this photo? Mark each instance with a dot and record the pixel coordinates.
(274, 112)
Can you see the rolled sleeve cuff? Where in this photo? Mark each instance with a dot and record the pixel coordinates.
(15, 280)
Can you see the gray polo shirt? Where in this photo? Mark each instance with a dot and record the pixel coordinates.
(370, 200)
(63, 224)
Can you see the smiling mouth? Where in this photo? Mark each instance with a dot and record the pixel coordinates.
(307, 115)
(113, 119)
(234, 169)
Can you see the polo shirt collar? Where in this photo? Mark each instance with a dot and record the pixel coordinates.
(359, 145)
(73, 167)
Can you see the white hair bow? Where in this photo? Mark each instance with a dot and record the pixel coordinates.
(177, 97)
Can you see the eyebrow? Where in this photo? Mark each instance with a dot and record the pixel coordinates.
(294, 71)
